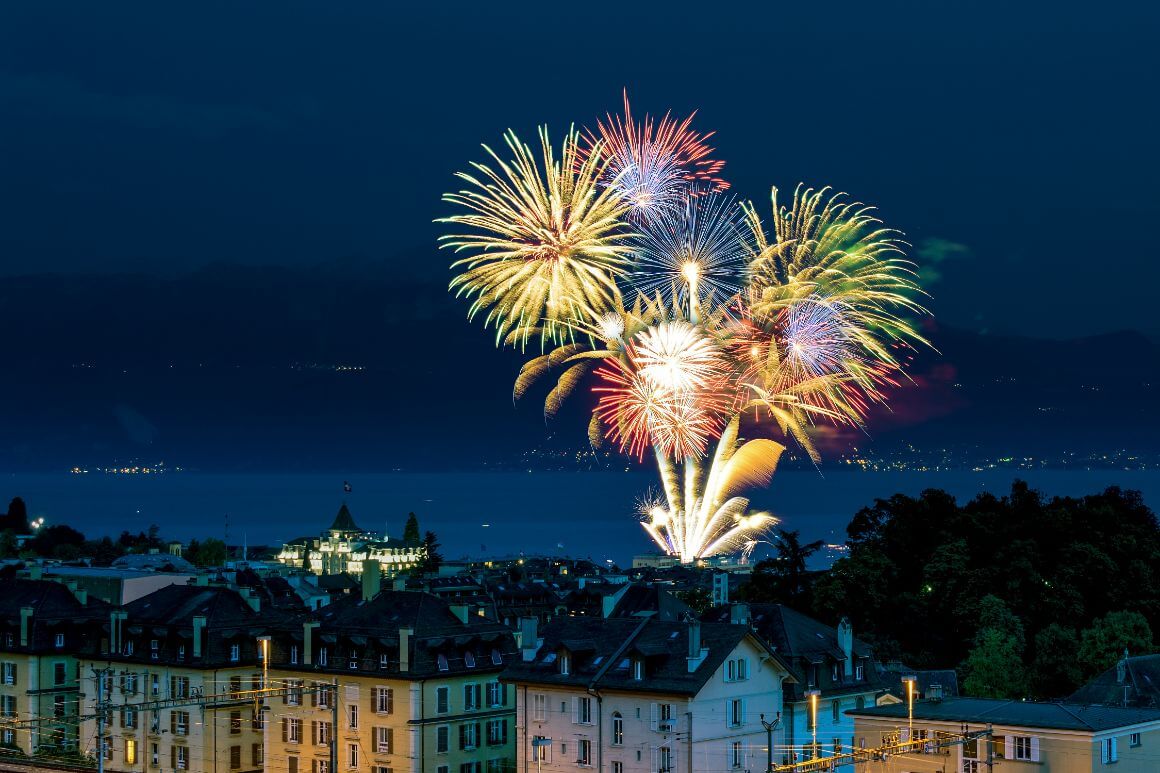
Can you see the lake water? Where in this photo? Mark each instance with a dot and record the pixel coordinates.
(489, 513)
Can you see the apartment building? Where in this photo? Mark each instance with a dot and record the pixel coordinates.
(636, 694)
(1025, 737)
(388, 681)
(42, 625)
(173, 682)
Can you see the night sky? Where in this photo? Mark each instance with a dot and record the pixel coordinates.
(1014, 143)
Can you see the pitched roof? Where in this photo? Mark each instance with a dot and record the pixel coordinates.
(179, 604)
(1140, 685)
(344, 521)
(1050, 716)
(601, 652)
(640, 600)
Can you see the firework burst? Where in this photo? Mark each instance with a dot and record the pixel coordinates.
(651, 164)
(548, 244)
(801, 323)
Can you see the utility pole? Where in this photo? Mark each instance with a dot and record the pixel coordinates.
(99, 675)
(334, 729)
(769, 728)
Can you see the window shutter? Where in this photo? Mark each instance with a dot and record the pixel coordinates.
(1104, 752)
(173, 757)
(285, 731)
(575, 710)
(173, 722)
(654, 713)
(1009, 747)
(656, 757)
(314, 766)
(1034, 749)
(743, 711)
(462, 737)
(390, 700)
(314, 732)
(504, 693)
(390, 731)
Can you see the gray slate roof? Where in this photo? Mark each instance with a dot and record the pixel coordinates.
(1141, 677)
(1052, 716)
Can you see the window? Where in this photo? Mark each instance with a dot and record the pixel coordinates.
(836, 710)
(497, 732)
(834, 672)
(541, 749)
(471, 693)
(617, 767)
(154, 684)
(293, 654)
(323, 656)
(539, 706)
(8, 671)
(441, 660)
(736, 713)
(107, 747)
(469, 659)
(736, 755)
(235, 686)
(320, 766)
(257, 719)
(180, 758)
(324, 696)
(385, 737)
(495, 694)
(837, 746)
(442, 739)
(292, 764)
(58, 674)
(58, 706)
(584, 752)
(565, 662)
(1021, 747)
(154, 649)
(181, 652)
(130, 751)
(860, 671)
(638, 669)
(236, 724)
(58, 640)
(384, 698)
(496, 765)
(496, 658)
(442, 700)
(352, 716)
(7, 705)
(1134, 739)
(582, 711)
(469, 735)
(257, 755)
(384, 660)
(179, 687)
(617, 729)
(352, 756)
(664, 759)
(293, 692)
(731, 671)
(471, 767)
(129, 684)
(352, 661)
(291, 730)
(128, 648)
(323, 732)
(179, 722)
(235, 757)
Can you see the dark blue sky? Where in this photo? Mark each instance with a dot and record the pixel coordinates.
(143, 136)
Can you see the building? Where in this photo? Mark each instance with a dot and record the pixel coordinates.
(173, 681)
(344, 547)
(641, 694)
(112, 585)
(833, 671)
(1133, 681)
(42, 626)
(1031, 737)
(393, 681)
(927, 683)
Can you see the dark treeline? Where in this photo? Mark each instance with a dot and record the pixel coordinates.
(1027, 596)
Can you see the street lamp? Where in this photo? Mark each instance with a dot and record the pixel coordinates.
(769, 728)
(909, 680)
(813, 695)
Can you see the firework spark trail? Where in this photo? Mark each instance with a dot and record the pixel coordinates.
(651, 164)
(805, 322)
(698, 248)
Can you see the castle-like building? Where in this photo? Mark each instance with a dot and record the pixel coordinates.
(344, 547)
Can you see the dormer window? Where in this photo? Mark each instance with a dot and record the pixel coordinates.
(384, 660)
(638, 669)
(293, 654)
(441, 659)
(565, 661)
(834, 672)
(235, 652)
(469, 659)
(181, 652)
(154, 649)
(496, 658)
(322, 656)
(352, 661)
(860, 671)
(59, 640)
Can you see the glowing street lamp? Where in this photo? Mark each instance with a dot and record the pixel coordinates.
(909, 680)
(813, 695)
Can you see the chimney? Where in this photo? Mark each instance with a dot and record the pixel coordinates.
(405, 635)
(529, 644)
(308, 642)
(25, 618)
(846, 645)
(372, 579)
(739, 613)
(460, 611)
(199, 622)
(35, 572)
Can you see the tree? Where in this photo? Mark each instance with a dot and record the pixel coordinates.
(1103, 644)
(783, 578)
(432, 558)
(17, 517)
(212, 552)
(994, 666)
(1055, 671)
(56, 541)
(698, 598)
(411, 530)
